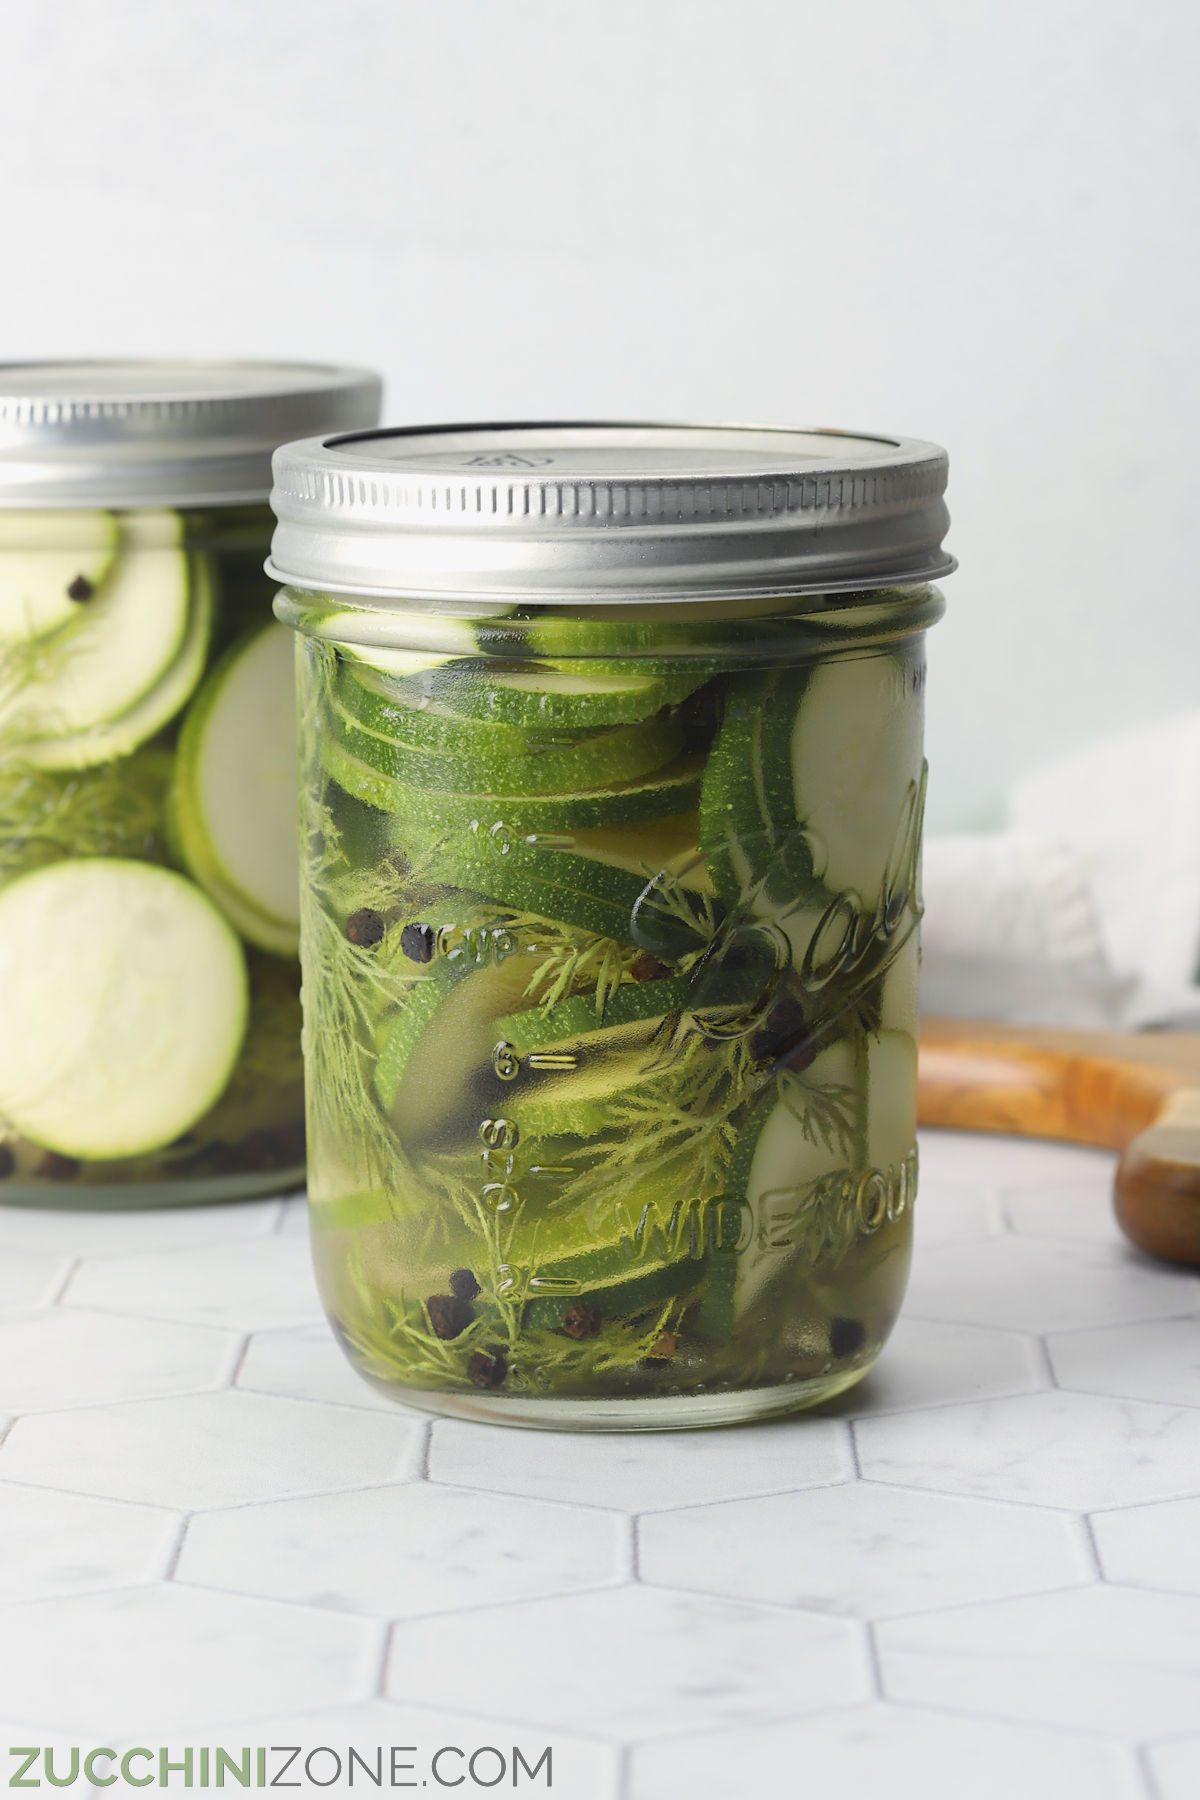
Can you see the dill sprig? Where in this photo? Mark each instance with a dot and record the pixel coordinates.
(573, 961)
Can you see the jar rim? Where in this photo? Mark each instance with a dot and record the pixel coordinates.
(607, 512)
(111, 432)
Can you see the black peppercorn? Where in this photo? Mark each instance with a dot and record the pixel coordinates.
(846, 1336)
(80, 589)
(365, 927)
(782, 1033)
(487, 1371)
(418, 942)
(448, 1315)
(463, 1285)
(645, 967)
(581, 1321)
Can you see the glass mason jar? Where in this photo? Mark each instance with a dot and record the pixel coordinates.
(612, 786)
(149, 987)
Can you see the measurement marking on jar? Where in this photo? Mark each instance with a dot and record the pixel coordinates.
(552, 1059)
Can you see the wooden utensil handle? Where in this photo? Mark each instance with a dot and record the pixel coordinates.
(1135, 1093)
(1157, 1189)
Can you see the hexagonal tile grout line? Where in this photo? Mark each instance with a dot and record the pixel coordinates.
(918, 1612)
(381, 1660)
(1042, 1355)
(171, 1561)
(451, 1612)
(1014, 1331)
(631, 1545)
(75, 1263)
(625, 1512)
(1141, 1756)
(237, 1360)
(1085, 1732)
(366, 1487)
(1092, 1548)
(1181, 1318)
(874, 1659)
(638, 1741)
(509, 1718)
(1003, 1500)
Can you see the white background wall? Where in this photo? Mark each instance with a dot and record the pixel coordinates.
(971, 220)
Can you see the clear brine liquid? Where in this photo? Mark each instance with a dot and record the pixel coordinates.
(610, 1013)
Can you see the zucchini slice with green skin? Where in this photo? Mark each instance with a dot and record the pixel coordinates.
(749, 828)
(123, 671)
(51, 565)
(662, 793)
(430, 639)
(577, 1024)
(777, 1158)
(433, 1070)
(608, 1278)
(785, 1174)
(125, 1003)
(619, 754)
(603, 1058)
(235, 795)
(855, 755)
(551, 695)
(552, 884)
(422, 727)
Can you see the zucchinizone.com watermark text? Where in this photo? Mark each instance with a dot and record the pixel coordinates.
(283, 1766)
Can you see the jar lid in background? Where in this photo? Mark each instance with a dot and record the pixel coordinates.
(606, 512)
(172, 433)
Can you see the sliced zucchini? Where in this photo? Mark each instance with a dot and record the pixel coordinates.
(779, 1160)
(124, 1005)
(235, 797)
(122, 672)
(433, 1071)
(551, 883)
(898, 997)
(597, 760)
(855, 755)
(419, 725)
(611, 1277)
(51, 566)
(662, 793)
(592, 1059)
(151, 528)
(574, 1026)
(653, 847)
(891, 1097)
(368, 639)
(801, 1186)
(749, 828)
(556, 694)
(278, 937)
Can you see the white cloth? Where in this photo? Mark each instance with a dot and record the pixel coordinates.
(1086, 912)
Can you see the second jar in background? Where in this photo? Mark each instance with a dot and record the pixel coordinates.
(149, 1004)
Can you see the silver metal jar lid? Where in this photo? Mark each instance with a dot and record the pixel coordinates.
(606, 512)
(173, 433)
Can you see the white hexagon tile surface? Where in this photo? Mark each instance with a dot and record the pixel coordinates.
(975, 1575)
